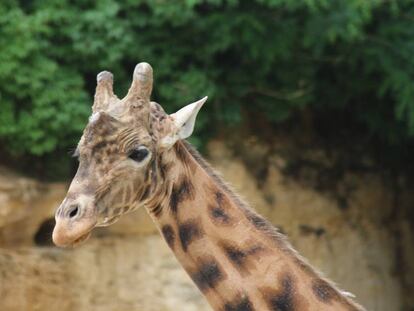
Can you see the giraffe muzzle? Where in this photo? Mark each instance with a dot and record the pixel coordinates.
(65, 235)
(73, 225)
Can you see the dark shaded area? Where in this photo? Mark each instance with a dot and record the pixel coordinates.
(309, 230)
(43, 236)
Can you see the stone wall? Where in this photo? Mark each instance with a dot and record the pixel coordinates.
(364, 245)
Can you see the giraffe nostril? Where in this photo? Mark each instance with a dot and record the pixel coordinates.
(74, 211)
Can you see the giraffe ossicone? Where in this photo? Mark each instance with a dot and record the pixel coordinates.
(132, 154)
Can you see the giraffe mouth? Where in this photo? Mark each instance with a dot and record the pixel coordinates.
(81, 239)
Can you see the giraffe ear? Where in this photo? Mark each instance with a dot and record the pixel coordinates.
(184, 120)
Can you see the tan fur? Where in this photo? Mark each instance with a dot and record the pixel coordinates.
(268, 255)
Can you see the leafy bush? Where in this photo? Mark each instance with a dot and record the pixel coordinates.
(272, 56)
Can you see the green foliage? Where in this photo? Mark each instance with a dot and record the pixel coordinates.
(271, 56)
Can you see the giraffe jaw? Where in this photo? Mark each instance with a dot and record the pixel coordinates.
(81, 240)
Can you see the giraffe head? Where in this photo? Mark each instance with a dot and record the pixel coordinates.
(117, 152)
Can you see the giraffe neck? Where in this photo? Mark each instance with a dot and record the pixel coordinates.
(235, 257)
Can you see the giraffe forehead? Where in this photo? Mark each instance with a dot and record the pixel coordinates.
(106, 125)
(100, 124)
(110, 138)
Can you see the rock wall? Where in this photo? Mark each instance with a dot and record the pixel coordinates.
(362, 244)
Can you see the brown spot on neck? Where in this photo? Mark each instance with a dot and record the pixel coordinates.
(243, 259)
(190, 231)
(219, 209)
(282, 299)
(239, 303)
(218, 215)
(323, 291)
(326, 293)
(181, 191)
(209, 274)
(169, 235)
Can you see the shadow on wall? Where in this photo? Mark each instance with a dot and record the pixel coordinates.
(43, 236)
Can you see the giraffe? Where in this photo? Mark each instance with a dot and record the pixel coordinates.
(133, 154)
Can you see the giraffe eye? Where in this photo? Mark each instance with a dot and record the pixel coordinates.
(138, 154)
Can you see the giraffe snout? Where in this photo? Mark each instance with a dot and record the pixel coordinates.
(74, 222)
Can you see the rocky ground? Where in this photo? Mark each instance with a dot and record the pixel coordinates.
(351, 229)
